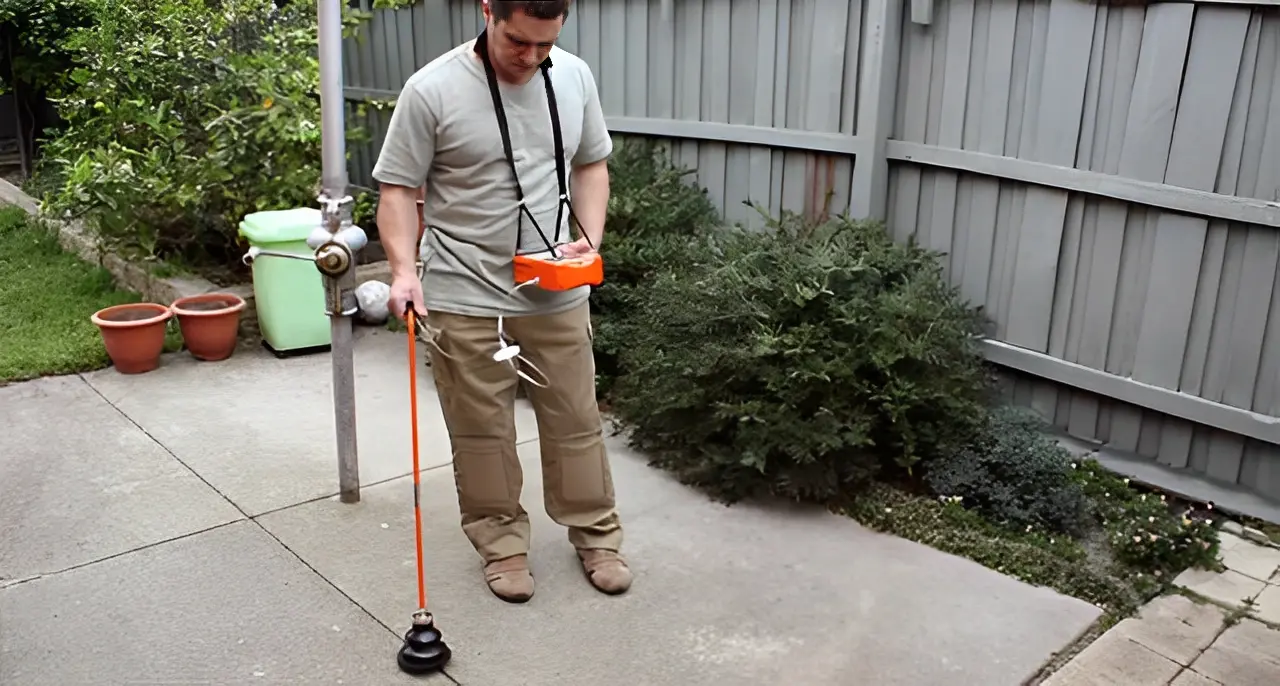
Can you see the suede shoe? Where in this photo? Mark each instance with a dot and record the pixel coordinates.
(606, 570)
(510, 579)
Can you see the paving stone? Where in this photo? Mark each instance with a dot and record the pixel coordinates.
(1256, 535)
(1266, 606)
(1190, 678)
(1251, 559)
(1229, 587)
(1233, 527)
(1174, 626)
(1115, 659)
(1247, 654)
(1227, 541)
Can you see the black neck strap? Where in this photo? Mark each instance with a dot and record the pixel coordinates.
(482, 49)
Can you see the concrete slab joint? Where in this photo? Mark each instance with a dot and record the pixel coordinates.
(1175, 627)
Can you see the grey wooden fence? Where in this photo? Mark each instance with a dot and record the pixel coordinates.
(1102, 176)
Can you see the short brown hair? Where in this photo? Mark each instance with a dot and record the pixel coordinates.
(538, 9)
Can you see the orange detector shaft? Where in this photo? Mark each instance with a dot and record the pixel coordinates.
(410, 319)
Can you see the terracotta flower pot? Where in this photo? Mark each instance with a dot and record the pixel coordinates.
(210, 324)
(133, 334)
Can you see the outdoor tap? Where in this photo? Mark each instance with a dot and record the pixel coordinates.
(333, 259)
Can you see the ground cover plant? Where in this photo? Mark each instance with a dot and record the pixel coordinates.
(1019, 502)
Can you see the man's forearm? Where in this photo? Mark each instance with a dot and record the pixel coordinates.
(398, 228)
(591, 199)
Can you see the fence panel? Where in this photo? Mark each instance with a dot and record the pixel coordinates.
(1177, 94)
(764, 68)
(1102, 177)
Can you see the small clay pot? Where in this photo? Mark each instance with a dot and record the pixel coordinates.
(210, 324)
(133, 334)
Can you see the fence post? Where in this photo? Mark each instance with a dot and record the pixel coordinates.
(877, 92)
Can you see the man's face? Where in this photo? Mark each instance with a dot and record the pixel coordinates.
(521, 43)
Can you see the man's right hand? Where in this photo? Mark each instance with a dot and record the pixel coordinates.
(404, 290)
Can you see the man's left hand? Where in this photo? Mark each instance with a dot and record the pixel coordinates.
(577, 248)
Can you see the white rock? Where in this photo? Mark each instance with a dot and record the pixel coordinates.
(372, 297)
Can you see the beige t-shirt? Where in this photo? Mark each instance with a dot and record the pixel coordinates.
(444, 132)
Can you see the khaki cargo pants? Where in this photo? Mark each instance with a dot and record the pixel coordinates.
(477, 395)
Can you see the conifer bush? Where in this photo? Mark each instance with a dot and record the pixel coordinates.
(654, 214)
(799, 360)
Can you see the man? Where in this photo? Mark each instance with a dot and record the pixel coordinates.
(447, 132)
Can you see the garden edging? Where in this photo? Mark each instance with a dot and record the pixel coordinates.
(74, 238)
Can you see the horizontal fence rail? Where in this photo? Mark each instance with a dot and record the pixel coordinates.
(1103, 178)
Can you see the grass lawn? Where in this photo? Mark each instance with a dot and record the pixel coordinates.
(46, 298)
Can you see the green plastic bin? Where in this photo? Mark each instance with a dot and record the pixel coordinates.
(288, 293)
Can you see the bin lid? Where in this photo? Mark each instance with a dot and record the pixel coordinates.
(280, 226)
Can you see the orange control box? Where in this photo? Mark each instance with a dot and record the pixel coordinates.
(560, 274)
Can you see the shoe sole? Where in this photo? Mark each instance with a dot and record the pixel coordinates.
(514, 600)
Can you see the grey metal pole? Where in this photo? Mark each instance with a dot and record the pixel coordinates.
(336, 207)
(332, 103)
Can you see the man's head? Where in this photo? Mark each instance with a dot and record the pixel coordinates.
(521, 33)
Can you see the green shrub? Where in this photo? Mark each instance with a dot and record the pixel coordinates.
(654, 213)
(799, 360)
(1016, 475)
(32, 58)
(181, 117)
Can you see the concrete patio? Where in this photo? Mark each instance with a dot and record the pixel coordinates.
(182, 527)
